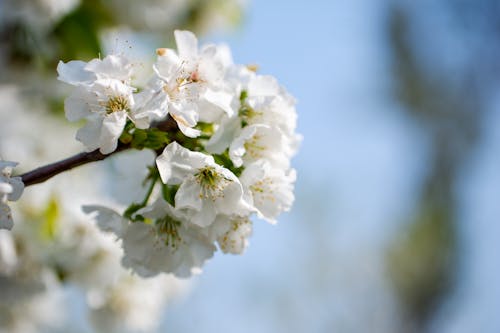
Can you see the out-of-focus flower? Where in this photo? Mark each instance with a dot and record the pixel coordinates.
(11, 189)
(169, 243)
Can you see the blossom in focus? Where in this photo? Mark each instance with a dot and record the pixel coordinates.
(193, 82)
(205, 188)
(104, 97)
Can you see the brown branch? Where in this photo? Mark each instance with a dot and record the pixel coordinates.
(46, 172)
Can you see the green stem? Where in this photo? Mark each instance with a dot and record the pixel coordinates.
(154, 179)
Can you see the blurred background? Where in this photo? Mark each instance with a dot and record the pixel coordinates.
(396, 225)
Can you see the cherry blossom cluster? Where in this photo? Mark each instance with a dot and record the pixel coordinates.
(226, 157)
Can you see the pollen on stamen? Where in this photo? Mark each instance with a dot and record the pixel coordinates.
(117, 104)
(212, 183)
(161, 51)
(252, 147)
(168, 231)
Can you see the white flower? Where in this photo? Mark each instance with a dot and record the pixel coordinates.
(104, 97)
(257, 142)
(206, 188)
(264, 127)
(11, 189)
(133, 303)
(169, 244)
(237, 230)
(271, 189)
(193, 82)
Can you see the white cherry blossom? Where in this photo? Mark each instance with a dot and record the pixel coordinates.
(205, 188)
(193, 82)
(169, 244)
(104, 97)
(237, 230)
(271, 189)
(256, 142)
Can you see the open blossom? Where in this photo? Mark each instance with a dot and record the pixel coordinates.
(104, 97)
(205, 188)
(169, 244)
(263, 127)
(11, 189)
(271, 189)
(235, 233)
(192, 82)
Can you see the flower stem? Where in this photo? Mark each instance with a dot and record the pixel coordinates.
(150, 190)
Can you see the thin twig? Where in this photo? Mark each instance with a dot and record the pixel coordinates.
(43, 173)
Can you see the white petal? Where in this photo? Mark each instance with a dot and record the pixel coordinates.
(187, 44)
(263, 85)
(76, 106)
(90, 133)
(188, 196)
(112, 128)
(221, 99)
(188, 131)
(177, 162)
(186, 118)
(167, 65)
(17, 188)
(5, 188)
(112, 67)
(73, 72)
(107, 219)
(205, 216)
(237, 147)
(224, 135)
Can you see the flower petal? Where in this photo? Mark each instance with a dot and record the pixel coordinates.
(187, 44)
(73, 72)
(112, 128)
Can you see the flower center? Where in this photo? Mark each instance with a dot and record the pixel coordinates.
(254, 148)
(116, 104)
(168, 228)
(263, 190)
(211, 182)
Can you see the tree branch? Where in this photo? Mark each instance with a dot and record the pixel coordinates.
(48, 171)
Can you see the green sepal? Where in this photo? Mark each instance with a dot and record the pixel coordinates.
(152, 138)
(243, 96)
(206, 128)
(133, 208)
(139, 137)
(224, 160)
(168, 192)
(126, 136)
(156, 139)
